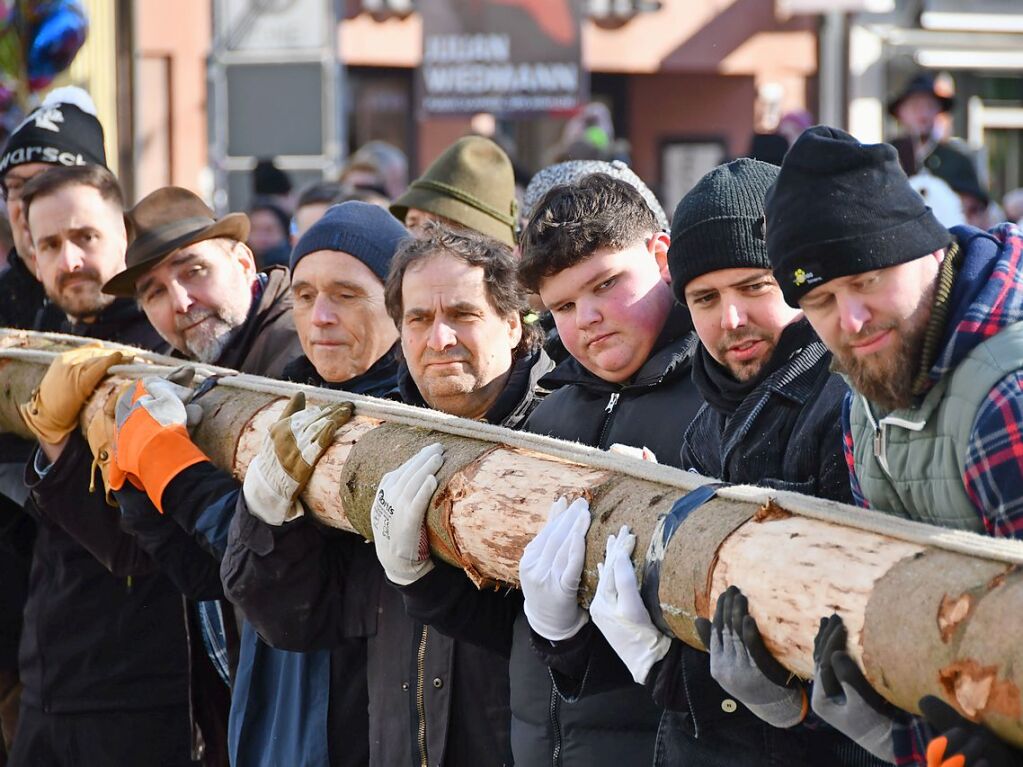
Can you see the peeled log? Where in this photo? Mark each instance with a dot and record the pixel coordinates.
(929, 611)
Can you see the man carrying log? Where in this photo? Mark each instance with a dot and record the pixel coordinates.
(104, 651)
(927, 327)
(772, 417)
(63, 132)
(348, 340)
(432, 700)
(36, 145)
(594, 252)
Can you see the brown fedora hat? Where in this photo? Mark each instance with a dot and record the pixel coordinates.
(164, 221)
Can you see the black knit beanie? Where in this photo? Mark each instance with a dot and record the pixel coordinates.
(719, 224)
(840, 207)
(64, 130)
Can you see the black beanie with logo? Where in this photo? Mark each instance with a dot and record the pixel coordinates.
(839, 208)
(63, 130)
(719, 224)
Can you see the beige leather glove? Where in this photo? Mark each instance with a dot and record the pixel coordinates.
(101, 433)
(52, 413)
(280, 471)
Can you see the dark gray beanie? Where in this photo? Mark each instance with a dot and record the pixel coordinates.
(719, 224)
(367, 232)
(839, 208)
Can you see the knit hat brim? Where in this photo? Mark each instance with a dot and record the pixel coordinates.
(719, 224)
(802, 269)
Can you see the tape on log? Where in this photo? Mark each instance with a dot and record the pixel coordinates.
(663, 533)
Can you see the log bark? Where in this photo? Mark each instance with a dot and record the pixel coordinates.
(922, 619)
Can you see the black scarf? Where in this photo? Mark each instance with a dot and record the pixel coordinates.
(720, 388)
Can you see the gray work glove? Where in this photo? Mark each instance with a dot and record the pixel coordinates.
(742, 665)
(843, 697)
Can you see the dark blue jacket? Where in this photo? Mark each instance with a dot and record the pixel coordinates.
(284, 707)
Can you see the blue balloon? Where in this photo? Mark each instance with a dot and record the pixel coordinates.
(54, 40)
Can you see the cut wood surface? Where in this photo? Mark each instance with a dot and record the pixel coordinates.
(928, 610)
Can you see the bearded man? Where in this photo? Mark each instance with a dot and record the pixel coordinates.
(926, 324)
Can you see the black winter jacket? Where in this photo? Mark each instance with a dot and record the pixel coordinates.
(103, 630)
(782, 431)
(786, 432)
(651, 410)
(23, 302)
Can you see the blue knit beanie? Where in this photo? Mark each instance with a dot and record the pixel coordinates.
(366, 232)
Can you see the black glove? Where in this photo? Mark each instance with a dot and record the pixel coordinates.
(742, 665)
(962, 743)
(843, 697)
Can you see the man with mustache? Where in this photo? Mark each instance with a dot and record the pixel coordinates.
(772, 417)
(456, 300)
(926, 324)
(103, 656)
(62, 132)
(42, 141)
(195, 278)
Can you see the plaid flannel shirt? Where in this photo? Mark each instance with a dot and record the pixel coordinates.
(993, 469)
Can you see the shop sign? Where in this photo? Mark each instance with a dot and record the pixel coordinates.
(501, 56)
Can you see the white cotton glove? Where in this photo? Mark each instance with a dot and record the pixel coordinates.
(280, 471)
(639, 453)
(398, 513)
(618, 610)
(551, 568)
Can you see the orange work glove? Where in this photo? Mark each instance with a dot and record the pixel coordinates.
(72, 377)
(152, 445)
(962, 743)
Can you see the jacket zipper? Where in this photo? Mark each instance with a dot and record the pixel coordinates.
(609, 410)
(556, 727)
(198, 746)
(421, 696)
(880, 439)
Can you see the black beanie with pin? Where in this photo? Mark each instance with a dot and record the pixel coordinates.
(840, 208)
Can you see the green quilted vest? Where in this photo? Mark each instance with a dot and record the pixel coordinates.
(909, 462)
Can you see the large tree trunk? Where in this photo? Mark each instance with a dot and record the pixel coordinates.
(928, 610)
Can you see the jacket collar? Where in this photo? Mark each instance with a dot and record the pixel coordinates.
(518, 392)
(271, 298)
(791, 373)
(987, 295)
(380, 380)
